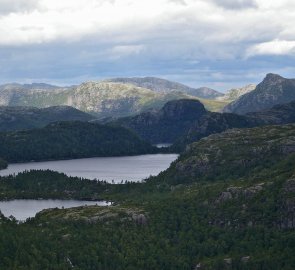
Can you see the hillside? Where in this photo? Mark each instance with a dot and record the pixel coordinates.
(273, 90)
(226, 203)
(217, 155)
(163, 86)
(67, 140)
(19, 118)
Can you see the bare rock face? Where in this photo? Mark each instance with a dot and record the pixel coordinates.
(236, 192)
(235, 93)
(273, 90)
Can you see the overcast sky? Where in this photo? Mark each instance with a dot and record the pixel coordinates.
(217, 43)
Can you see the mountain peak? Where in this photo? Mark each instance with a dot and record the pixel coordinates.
(184, 109)
(273, 90)
(273, 77)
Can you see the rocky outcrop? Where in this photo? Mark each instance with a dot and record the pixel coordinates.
(235, 93)
(237, 192)
(95, 214)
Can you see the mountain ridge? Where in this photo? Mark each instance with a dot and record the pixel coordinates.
(273, 90)
(163, 85)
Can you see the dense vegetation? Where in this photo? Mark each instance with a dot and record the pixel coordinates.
(240, 217)
(66, 140)
(19, 118)
(49, 185)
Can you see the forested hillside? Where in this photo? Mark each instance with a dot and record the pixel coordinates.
(67, 140)
(20, 118)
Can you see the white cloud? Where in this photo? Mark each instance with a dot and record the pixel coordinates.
(274, 47)
(171, 35)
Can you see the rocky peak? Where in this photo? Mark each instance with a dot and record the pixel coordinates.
(271, 77)
(273, 90)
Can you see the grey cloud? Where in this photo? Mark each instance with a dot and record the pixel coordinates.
(235, 4)
(10, 6)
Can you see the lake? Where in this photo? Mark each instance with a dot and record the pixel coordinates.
(23, 209)
(163, 145)
(111, 169)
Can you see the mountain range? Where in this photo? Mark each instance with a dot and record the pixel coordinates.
(103, 99)
(164, 86)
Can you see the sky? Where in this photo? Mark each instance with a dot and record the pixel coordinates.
(215, 43)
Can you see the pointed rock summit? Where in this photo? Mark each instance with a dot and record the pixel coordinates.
(273, 90)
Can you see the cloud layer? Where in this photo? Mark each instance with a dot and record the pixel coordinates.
(218, 43)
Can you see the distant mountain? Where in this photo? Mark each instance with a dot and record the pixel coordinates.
(104, 99)
(212, 123)
(67, 140)
(167, 124)
(43, 86)
(163, 86)
(235, 93)
(273, 90)
(19, 118)
(182, 122)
